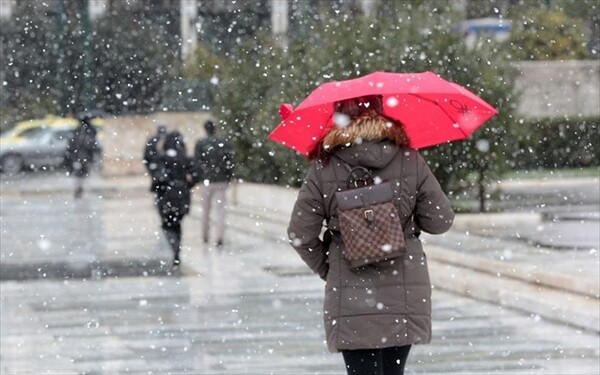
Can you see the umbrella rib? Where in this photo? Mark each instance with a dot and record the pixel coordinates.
(442, 108)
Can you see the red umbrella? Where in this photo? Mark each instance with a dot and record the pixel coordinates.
(432, 109)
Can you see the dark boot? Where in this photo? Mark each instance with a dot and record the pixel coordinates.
(174, 238)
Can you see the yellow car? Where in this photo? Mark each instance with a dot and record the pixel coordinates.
(24, 129)
(38, 143)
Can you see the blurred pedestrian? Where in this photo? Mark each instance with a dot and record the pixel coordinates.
(171, 183)
(372, 313)
(81, 151)
(213, 160)
(150, 153)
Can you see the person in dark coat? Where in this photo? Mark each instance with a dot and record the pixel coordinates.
(150, 154)
(81, 151)
(213, 160)
(171, 172)
(372, 314)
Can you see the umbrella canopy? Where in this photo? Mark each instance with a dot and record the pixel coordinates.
(432, 110)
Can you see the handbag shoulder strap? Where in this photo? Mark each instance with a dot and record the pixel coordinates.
(358, 176)
(333, 222)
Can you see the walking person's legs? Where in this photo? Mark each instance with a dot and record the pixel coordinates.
(388, 361)
(78, 186)
(220, 197)
(81, 172)
(363, 362)
(206, 197)
(172, 228)
(394, 359)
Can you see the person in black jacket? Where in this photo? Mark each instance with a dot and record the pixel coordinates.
(150, 153)
(171, 171)
(213, 160)
(81, 151)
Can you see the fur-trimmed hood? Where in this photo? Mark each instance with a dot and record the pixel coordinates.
(367, 127)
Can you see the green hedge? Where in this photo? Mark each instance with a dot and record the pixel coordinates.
(187, 95)
(556, 143)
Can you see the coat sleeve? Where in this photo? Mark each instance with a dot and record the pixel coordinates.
(433, 212)
(306, 224)
(151, 154)
(228, 162)
(191, 176)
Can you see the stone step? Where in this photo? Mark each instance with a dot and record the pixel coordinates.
(558, 298)
(530, 274)
(549, 303)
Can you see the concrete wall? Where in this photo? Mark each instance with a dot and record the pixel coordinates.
(125, 137)
(558, 88)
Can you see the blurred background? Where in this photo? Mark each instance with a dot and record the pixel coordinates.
(141, 62)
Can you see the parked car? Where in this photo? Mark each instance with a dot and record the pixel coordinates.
(40, 147)
(24, 128)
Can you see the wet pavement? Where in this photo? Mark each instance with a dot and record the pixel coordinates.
(252, 323)
(54, 236)
(247, 308)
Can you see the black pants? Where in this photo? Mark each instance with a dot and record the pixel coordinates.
(171, 225)
(174, 238)
(388, 361)
(171, 217)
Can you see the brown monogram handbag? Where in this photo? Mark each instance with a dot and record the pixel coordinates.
(369, 221)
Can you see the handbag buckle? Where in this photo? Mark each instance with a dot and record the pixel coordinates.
(369, 216)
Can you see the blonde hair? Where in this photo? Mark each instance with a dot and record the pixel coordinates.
(369, 126)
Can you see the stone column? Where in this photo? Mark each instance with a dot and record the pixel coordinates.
(7, 7)
(367, 6)
(97, 8)
(189, 34)
(280, 21)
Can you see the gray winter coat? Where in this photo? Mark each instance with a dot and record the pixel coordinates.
(387, 304)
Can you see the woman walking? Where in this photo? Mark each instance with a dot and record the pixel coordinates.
(171, 171)
(372, 313)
